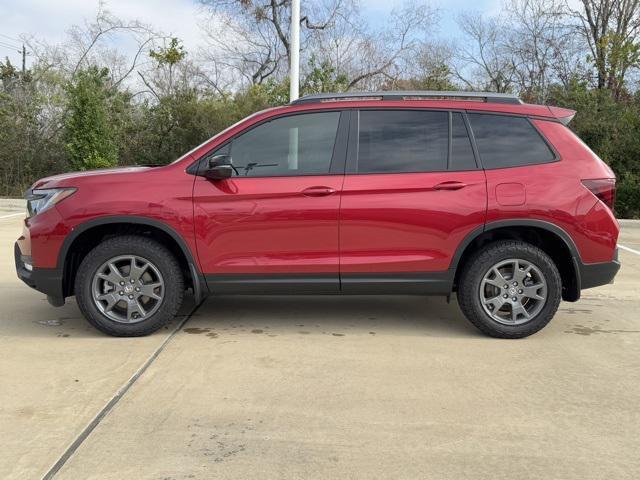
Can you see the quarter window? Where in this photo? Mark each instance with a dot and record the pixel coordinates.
(462, 157)
(287, 146)
(507, 141)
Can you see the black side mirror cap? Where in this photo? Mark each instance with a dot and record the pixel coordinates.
(219, 167)
(223, 159)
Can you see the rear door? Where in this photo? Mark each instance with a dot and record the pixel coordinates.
(273, 226)
(411, 194)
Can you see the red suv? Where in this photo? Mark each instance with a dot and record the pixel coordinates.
(422, 193)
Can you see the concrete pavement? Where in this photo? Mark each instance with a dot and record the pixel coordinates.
(324, 387)
(56, 371)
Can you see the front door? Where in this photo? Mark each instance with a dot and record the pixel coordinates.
(273, 226)
(412, 193)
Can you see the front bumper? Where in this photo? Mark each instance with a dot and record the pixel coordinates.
(597, 274)
(45, 280)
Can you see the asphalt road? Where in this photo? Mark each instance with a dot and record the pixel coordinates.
(320, 387)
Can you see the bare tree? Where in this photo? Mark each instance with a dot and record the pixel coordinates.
(609, 28)
(528, 48)
(253, 37)
(377, 58)
(242, 46)
(431, 67)
(391, 53)
(541, 45)
(89, 44)
(483, 59)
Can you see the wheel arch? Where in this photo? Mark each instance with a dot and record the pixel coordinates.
(86, 235)
(552, 239)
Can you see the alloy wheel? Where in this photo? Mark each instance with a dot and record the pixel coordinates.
(128, 289)
(513, 291)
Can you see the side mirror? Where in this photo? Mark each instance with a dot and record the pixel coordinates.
(219, 167)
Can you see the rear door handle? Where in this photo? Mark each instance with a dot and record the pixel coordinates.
(318, 191)
(450, 186)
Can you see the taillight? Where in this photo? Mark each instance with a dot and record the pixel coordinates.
(604, 189)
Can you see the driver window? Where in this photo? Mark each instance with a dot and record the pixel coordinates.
(287, 146)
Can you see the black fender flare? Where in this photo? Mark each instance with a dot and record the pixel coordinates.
(199, 284)
(576, 261)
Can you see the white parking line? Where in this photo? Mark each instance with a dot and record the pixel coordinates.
(629, 249)
(12, 215)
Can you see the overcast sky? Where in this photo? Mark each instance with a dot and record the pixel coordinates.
(49, 19)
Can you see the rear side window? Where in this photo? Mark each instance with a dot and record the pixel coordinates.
(393, 141)
(287, 146)
(505, 141)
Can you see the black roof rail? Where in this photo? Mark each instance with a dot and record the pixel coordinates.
(409, 95)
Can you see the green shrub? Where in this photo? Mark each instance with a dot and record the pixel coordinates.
(89, 135)
(628, 196)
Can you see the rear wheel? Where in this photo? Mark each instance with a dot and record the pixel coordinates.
(509, 289)
(129, 286)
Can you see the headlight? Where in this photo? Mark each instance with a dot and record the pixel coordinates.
(40, 200)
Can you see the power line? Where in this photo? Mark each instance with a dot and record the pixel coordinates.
(11, 47)
(10, 38)
(9, 44)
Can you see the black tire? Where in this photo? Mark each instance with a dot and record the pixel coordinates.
(140, 246)
(474, 270)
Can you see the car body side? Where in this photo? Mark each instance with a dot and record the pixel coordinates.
(549, 197)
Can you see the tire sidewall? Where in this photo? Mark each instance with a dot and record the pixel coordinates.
(481, 263)
(142, 247)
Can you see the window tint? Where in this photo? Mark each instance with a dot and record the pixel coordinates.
(461, 151)
(294, 145)
(402, 141)
(505, 141)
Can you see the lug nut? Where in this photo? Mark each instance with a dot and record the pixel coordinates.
(506, 286)
(514, 299)
(133, 281)
(121, 283)
(121, 293)
(138, 289)
(520, 291)
(515, 284)
(131, 297)
(506, 296)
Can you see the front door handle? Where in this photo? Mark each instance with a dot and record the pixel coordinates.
(318, 191)
(450, 186)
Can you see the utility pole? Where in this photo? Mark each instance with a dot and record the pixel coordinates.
(294, 76)
(24, 57)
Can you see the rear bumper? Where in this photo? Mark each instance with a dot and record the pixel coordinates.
(45, 280)
(597, 274)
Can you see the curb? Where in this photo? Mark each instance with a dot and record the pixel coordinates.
(629, 223)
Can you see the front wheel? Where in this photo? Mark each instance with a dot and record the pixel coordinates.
(129, 286)
(509, 289)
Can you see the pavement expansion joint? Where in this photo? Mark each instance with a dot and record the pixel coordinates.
(71, 449)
